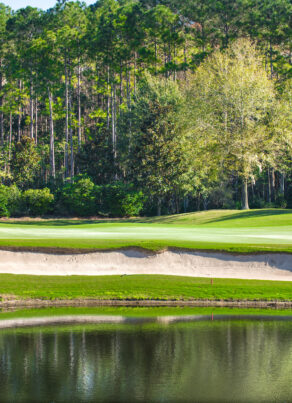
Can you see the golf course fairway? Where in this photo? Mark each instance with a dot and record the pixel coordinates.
(249, 237)
(226, 230)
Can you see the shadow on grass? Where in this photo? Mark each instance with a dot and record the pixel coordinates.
(87, 221)
(73, 222)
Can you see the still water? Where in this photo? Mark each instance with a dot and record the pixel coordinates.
(193, 361)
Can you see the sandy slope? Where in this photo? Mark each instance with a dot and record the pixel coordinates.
(277, 266)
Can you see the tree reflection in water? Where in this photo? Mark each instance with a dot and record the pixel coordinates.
(218, 361)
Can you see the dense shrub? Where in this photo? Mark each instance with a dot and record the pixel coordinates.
(122, 200)
(10, 200)
(14, 200)
(281, 201)
(36, 201)
(79, 198)
(4, 212)
(82, 198)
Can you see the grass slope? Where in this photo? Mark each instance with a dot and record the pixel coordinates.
(141, 287)
(229, 230)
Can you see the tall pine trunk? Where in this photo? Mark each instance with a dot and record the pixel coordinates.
(31, 114)
(66, 158)
(10, 140)
(71, 131)
(159, 206)
(108, 99)
(52, 144)
(36, 121)
(19, 115)
(282, 183)
(273, 187)
(18, 125)
(244, 195)
(79, 105)
(269, 187)
(114, 120)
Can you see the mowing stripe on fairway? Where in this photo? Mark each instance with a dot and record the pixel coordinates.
(259, 230)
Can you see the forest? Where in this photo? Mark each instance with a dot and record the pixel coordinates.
(145, 107)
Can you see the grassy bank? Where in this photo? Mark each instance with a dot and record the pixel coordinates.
(229, 230)
(140, 287)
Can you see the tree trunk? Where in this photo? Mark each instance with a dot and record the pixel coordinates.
(174, 61)
(186, 203)
(269, 187)
(155, 47)
(66, 158)
(135, 67)
(199, 202)
(108, 99)
(79, 106)
(10, 140)
(2, 128)
(19, 114)
(18, 125)
(128, 87)
(71, 132)
(36, 121)
(271, 59)
(185, 63)
(244, 195)
(31, 114)
(52, 145)
(282, 183)
(177, 204)
(159, 207)
(205, 203)
(114, 120)
(272, 179)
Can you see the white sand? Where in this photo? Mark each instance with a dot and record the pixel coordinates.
(268, 266)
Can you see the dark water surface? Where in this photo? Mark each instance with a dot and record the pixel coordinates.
(219, 361)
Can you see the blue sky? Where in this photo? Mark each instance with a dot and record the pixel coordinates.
(44, 4)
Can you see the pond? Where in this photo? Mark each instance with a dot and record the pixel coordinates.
(168, 358)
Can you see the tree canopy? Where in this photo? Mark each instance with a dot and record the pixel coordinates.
(188, 102)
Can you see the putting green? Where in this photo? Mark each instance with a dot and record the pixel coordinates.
(255, 230)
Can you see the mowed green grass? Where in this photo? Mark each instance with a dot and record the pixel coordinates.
(140, 287)
(229, 230)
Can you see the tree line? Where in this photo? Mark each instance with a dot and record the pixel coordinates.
(178, 106)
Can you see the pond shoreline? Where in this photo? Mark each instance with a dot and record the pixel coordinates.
(37, 303)
(124, 320)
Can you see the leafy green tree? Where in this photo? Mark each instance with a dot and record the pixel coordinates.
(121, 199)
(36, 202)
(25, 163)
(231, 100)
(79, 198)
(96, 159)
(159, 149)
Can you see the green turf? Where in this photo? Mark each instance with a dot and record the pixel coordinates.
(230, 230)
(141, 287)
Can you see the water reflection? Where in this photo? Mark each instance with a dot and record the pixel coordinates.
(206, 361)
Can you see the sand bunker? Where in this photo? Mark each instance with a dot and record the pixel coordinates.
(277, 266)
